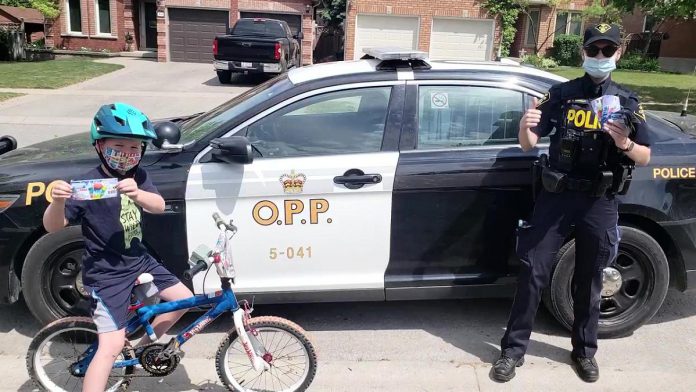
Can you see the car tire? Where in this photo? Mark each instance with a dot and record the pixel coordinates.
(283, 67)
(225, 77)
(635, 302)
(51, 276)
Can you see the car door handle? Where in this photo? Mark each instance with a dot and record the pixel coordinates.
(355, 178)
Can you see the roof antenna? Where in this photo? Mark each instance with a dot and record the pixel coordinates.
(686, 103)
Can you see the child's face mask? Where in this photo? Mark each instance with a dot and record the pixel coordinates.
(121, 161)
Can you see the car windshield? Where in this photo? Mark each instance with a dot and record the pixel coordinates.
(202, 125)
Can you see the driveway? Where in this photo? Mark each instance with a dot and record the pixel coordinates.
(158, 89)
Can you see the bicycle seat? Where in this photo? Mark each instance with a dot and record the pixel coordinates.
(144, 278)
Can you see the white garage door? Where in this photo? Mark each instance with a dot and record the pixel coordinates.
(461, 39)
(381, 30)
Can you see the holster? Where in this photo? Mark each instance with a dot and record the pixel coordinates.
(622, 179)
(537, 169)
(552, 180)
(603, 182)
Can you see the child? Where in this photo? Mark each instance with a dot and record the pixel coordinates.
(112, 229)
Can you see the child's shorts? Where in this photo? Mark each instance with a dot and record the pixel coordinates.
(110, 303)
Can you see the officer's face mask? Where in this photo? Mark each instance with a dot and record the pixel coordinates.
(599, 68)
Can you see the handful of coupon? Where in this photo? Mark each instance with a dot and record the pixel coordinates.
(607, 107)
(103, 188)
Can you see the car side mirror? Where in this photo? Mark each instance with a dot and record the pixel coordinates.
(168, 134)
(7, 144)
(299, 35)
(233, 149)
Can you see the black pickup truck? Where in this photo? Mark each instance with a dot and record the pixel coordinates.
(257, 45)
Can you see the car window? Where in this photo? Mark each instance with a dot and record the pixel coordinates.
(460, 116)
(341, 122)
(258, 27)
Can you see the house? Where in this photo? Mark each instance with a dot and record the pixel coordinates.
(178, 30)
(672, 44)
(455, 29)
(32, 19)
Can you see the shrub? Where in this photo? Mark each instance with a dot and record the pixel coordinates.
(635, 60)
(566, 49)
(539, 61)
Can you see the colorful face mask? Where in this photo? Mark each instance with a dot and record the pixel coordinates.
(118, 160)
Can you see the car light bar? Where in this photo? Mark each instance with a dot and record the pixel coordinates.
(390, 53)
(6, 201)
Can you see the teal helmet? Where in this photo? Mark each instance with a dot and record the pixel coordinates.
(121, 121)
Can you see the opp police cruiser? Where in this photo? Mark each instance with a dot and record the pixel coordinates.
(587, 166)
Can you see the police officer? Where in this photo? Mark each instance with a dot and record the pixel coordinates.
(588, 164)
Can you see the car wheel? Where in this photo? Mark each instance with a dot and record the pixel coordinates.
(52, 278)
(225, 77)
(635, 285)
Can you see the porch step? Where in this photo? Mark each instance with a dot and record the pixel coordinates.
(140, 54)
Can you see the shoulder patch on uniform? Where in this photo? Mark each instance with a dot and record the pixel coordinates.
(640, 112)
(543, 99)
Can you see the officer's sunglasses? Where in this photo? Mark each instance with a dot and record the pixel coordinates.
(607, 51)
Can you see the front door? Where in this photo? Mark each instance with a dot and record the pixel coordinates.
(313, 209)
(150, 22)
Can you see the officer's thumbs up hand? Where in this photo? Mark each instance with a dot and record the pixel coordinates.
(531, 117)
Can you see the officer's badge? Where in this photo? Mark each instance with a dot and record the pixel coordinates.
(543, 99)
(603, 27)
(640, 113)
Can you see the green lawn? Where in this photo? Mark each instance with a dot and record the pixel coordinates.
(51, 74)
(6, 96)
(651, 87)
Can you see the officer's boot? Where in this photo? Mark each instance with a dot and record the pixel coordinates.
(504, 368)
(587, 368)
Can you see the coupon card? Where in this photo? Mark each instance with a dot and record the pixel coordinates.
(103, 188)
(607, 107)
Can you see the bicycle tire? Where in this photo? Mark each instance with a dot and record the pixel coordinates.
(260, 323)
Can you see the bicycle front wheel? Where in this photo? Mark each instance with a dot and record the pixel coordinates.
(58, 346)
(286, 348)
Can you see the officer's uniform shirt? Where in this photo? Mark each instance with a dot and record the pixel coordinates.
(577, 115)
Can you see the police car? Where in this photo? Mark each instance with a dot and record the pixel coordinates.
(388, 178)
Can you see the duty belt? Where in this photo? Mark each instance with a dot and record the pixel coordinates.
(579, 184)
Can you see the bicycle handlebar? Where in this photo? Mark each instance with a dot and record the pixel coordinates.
(200, 266)
(219, 222)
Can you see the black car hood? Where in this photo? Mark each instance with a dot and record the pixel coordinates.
(686, 123)
(59, 158)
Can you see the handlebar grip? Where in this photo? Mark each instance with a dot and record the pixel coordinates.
(200, 266)
(218, 220)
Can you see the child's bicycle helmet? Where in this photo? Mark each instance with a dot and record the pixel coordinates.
(121, 121)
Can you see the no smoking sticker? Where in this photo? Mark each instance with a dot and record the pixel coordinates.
(439, 101)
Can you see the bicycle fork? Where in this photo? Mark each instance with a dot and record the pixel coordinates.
(253, 348)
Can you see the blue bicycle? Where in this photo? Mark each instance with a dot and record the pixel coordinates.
(258, 354)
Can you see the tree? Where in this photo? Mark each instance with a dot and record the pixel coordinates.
(333, 12)
(604, 11)
(660, 11)
(49, 8)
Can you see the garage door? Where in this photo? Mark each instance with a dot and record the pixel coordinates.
(294, 21)
(382, 30)
(191, 33)
(460, 39)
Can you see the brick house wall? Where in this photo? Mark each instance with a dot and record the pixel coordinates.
(547, 26)
(89, 37)
(678, 52)
(427, 10)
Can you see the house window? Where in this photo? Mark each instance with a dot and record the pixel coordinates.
(569, 23)
(649, 23)
(74, 16)
(103, 9)
(532, 28)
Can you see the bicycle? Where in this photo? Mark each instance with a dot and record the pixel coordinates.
(251, 344)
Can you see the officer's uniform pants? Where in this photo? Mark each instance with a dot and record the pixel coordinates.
(596, 246)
